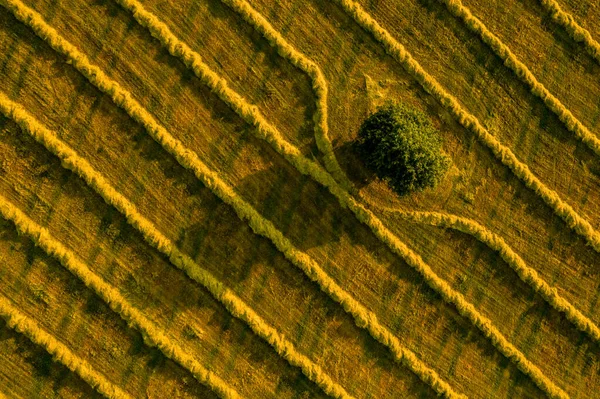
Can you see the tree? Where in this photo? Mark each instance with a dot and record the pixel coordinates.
(402, 147)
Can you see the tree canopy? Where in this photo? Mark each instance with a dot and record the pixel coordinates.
(402, 147)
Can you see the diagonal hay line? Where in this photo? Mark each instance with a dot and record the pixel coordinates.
(61, 353)
(482, 234)
(522, 72)
(576, 31)
(72, 161)
(319, 83)
(264, 130)
(43, 239)
(190, 160)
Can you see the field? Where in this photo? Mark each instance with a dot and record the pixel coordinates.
(183, 213)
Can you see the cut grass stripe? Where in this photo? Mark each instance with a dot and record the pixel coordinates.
(364, 317)
(496, 243)
(152, 335)
(510, 60)
(211, 180)
(576, 31)
(72, 161)
(62, 354)
(319, 83)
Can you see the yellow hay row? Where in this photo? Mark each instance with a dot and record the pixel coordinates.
(495, 242)
(503, 153)
(190, 160)
(152, 335)
(71, 160)
(320, 87)
(510, 60)
(264, 130)
(576, 31)
(62, 354)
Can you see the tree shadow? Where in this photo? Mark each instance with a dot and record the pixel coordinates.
(295, 209)
(351, 163)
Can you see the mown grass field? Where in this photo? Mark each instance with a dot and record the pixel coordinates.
(183, 214)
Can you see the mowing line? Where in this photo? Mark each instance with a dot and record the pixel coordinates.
(503, 153)
(510, 60)
(264, 130)
(61, 353)
(576, 31)
(210, 179)
(497, 243)
(72, 161)
(319, 83)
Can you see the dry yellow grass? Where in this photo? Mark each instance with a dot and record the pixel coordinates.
(261, 226)
(480, 188)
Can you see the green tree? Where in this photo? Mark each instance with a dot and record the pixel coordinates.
(402, 147)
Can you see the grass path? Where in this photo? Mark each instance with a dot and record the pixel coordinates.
(61, 353)
(576, 31)
(266, 131)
